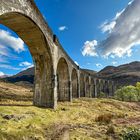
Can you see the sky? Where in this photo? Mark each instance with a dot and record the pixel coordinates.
(94, 33)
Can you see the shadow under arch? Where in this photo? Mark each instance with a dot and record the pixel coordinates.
(74, 80)
(92, 88)
(63, 79)
(38, 46)
(87, 87)
(82, 85)
(98, 87)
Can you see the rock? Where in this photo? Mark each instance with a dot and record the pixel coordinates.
(8, 117)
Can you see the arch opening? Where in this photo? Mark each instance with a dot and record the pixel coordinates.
(82, 86)
(98, 87)
(110, 88)
(33, 37)
(92, 88)
(102, 86)
(106, 88)
(87, 87)
(63, 87)
(74, 80)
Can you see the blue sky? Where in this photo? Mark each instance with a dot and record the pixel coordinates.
(86, 30)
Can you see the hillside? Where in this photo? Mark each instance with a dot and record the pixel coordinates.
(23, 77)
(127, 74)
(92, 72)
(82, 119)
(3, 76)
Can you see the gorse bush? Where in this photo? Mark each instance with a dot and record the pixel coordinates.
(110, 130)
(132, 134)
(101, 95)
(104, 118)
(128, 93)
(138, 91)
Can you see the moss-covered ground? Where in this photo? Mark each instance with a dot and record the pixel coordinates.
(82, 119)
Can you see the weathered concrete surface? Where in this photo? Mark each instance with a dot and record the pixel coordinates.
(57, 77)
(63, 81)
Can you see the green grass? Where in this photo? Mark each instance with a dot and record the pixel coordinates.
(83, 119)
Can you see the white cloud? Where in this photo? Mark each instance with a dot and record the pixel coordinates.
(112, 56)
(22, 64)
(125, 34)
(44, 17)
(114, 62)
(25, 68)
(76, 63)
(62, 28)
(99, 65)
(118, 14)
(107, 27)
(130, 2)
(26, 65)
(7, 40)
(5, 54)
(6, 66)
(3, 50)
(89, 48)
(1, 73)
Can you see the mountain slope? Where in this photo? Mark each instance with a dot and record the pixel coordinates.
(24, 76)
(127, 74)
(81, 119)
(4, 76)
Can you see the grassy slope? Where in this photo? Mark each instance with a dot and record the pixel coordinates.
(19, 120)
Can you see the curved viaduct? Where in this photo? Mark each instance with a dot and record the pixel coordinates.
(57, 77)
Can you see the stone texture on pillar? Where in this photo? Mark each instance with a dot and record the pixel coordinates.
(63, 80)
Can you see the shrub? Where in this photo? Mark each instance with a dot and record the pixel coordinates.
(138, 90)
(101, 95)
(104, 118)
(132, 134)
(127, 93)
(110, 130)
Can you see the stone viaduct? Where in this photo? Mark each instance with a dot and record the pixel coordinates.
(57, 77)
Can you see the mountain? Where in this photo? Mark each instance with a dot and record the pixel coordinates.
(127, 74)
(26, 76)
(92, 72)
(4, 76)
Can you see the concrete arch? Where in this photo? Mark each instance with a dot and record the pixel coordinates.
(53, 66)
(74, 81)
(32, 35)
(63, 79)
(87, 87)
(82, 85)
